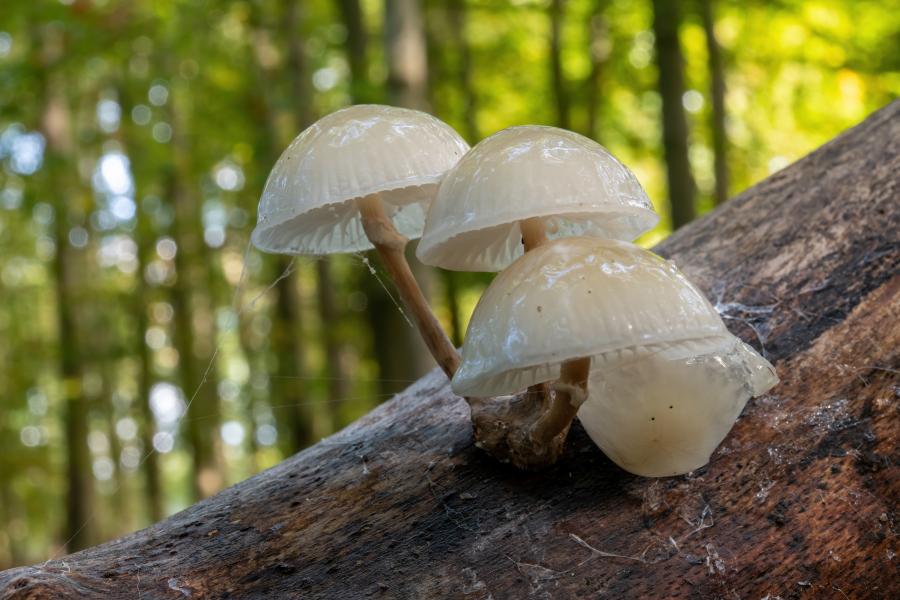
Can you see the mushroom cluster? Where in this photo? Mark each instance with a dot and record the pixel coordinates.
(579, 319)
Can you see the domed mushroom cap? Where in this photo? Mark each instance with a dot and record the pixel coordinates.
(664, 413)
(524, 172)
(308, 204)
(572, 298)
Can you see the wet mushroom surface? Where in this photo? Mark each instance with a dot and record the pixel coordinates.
(651, 341)
(357, 179)
(570, 183)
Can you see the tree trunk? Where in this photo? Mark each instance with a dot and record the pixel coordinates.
(451, 296)
(56, 125)
(599, 51)
(405, 52)
(669, 61)
(330, 320)
(557, 76)
(394, 343)
(75, 417)
(195, 332)
(118, 499)
(800, 499)
(153, 492)
(407, 64)
(294, 422)
(717, 93)
(458, 15)
(329, 316)
(357, 48)
(143, 238)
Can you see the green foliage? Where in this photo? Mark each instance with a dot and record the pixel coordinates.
(177, 111)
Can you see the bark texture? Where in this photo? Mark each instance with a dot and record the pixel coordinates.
(799, 501)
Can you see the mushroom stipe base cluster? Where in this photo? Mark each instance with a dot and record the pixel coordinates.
(578, 322)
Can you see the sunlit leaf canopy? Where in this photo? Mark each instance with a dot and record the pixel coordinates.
(135, 138)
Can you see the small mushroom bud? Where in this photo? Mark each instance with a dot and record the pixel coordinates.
(359, 178)
(567, 183)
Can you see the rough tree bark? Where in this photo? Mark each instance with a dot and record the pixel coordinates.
(799, 501)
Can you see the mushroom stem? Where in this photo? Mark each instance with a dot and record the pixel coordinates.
(571, 388)
(570, 392)
(533, 233)
(390, 245)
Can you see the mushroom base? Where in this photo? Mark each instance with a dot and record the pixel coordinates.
(505, 428)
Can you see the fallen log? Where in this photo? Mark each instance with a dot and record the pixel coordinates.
(801, 500)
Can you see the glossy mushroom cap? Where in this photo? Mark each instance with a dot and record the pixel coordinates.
(665, 412)
(572, 298)
(308, 205)
(524, 172)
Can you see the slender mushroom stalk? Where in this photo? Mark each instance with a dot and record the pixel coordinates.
(570, 391)
(360, 177)
(390, 245)
(534, 233)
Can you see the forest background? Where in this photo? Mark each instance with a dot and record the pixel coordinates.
(150, 357)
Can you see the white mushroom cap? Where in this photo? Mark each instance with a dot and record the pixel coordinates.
(525, 172)
(572, 298)
(665, 412)
(308, 204)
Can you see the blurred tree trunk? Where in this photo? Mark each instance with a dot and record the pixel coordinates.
(153, 493)
(458, 17)
(405, 52)
(669, 60)
(255, 356)
(401, 354)
(7, 512)
(329, 315)
(294, 421)
(195, 330)
(12, 382)
(117, 497)
(558, 77)
(330, 319)
(290, 384)
(143, 238)
(390, 343)
(717, 92)
(357, 48)
(600, 48)
(458, 13)
(78, 464)
(451, 293)
(56, 125)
